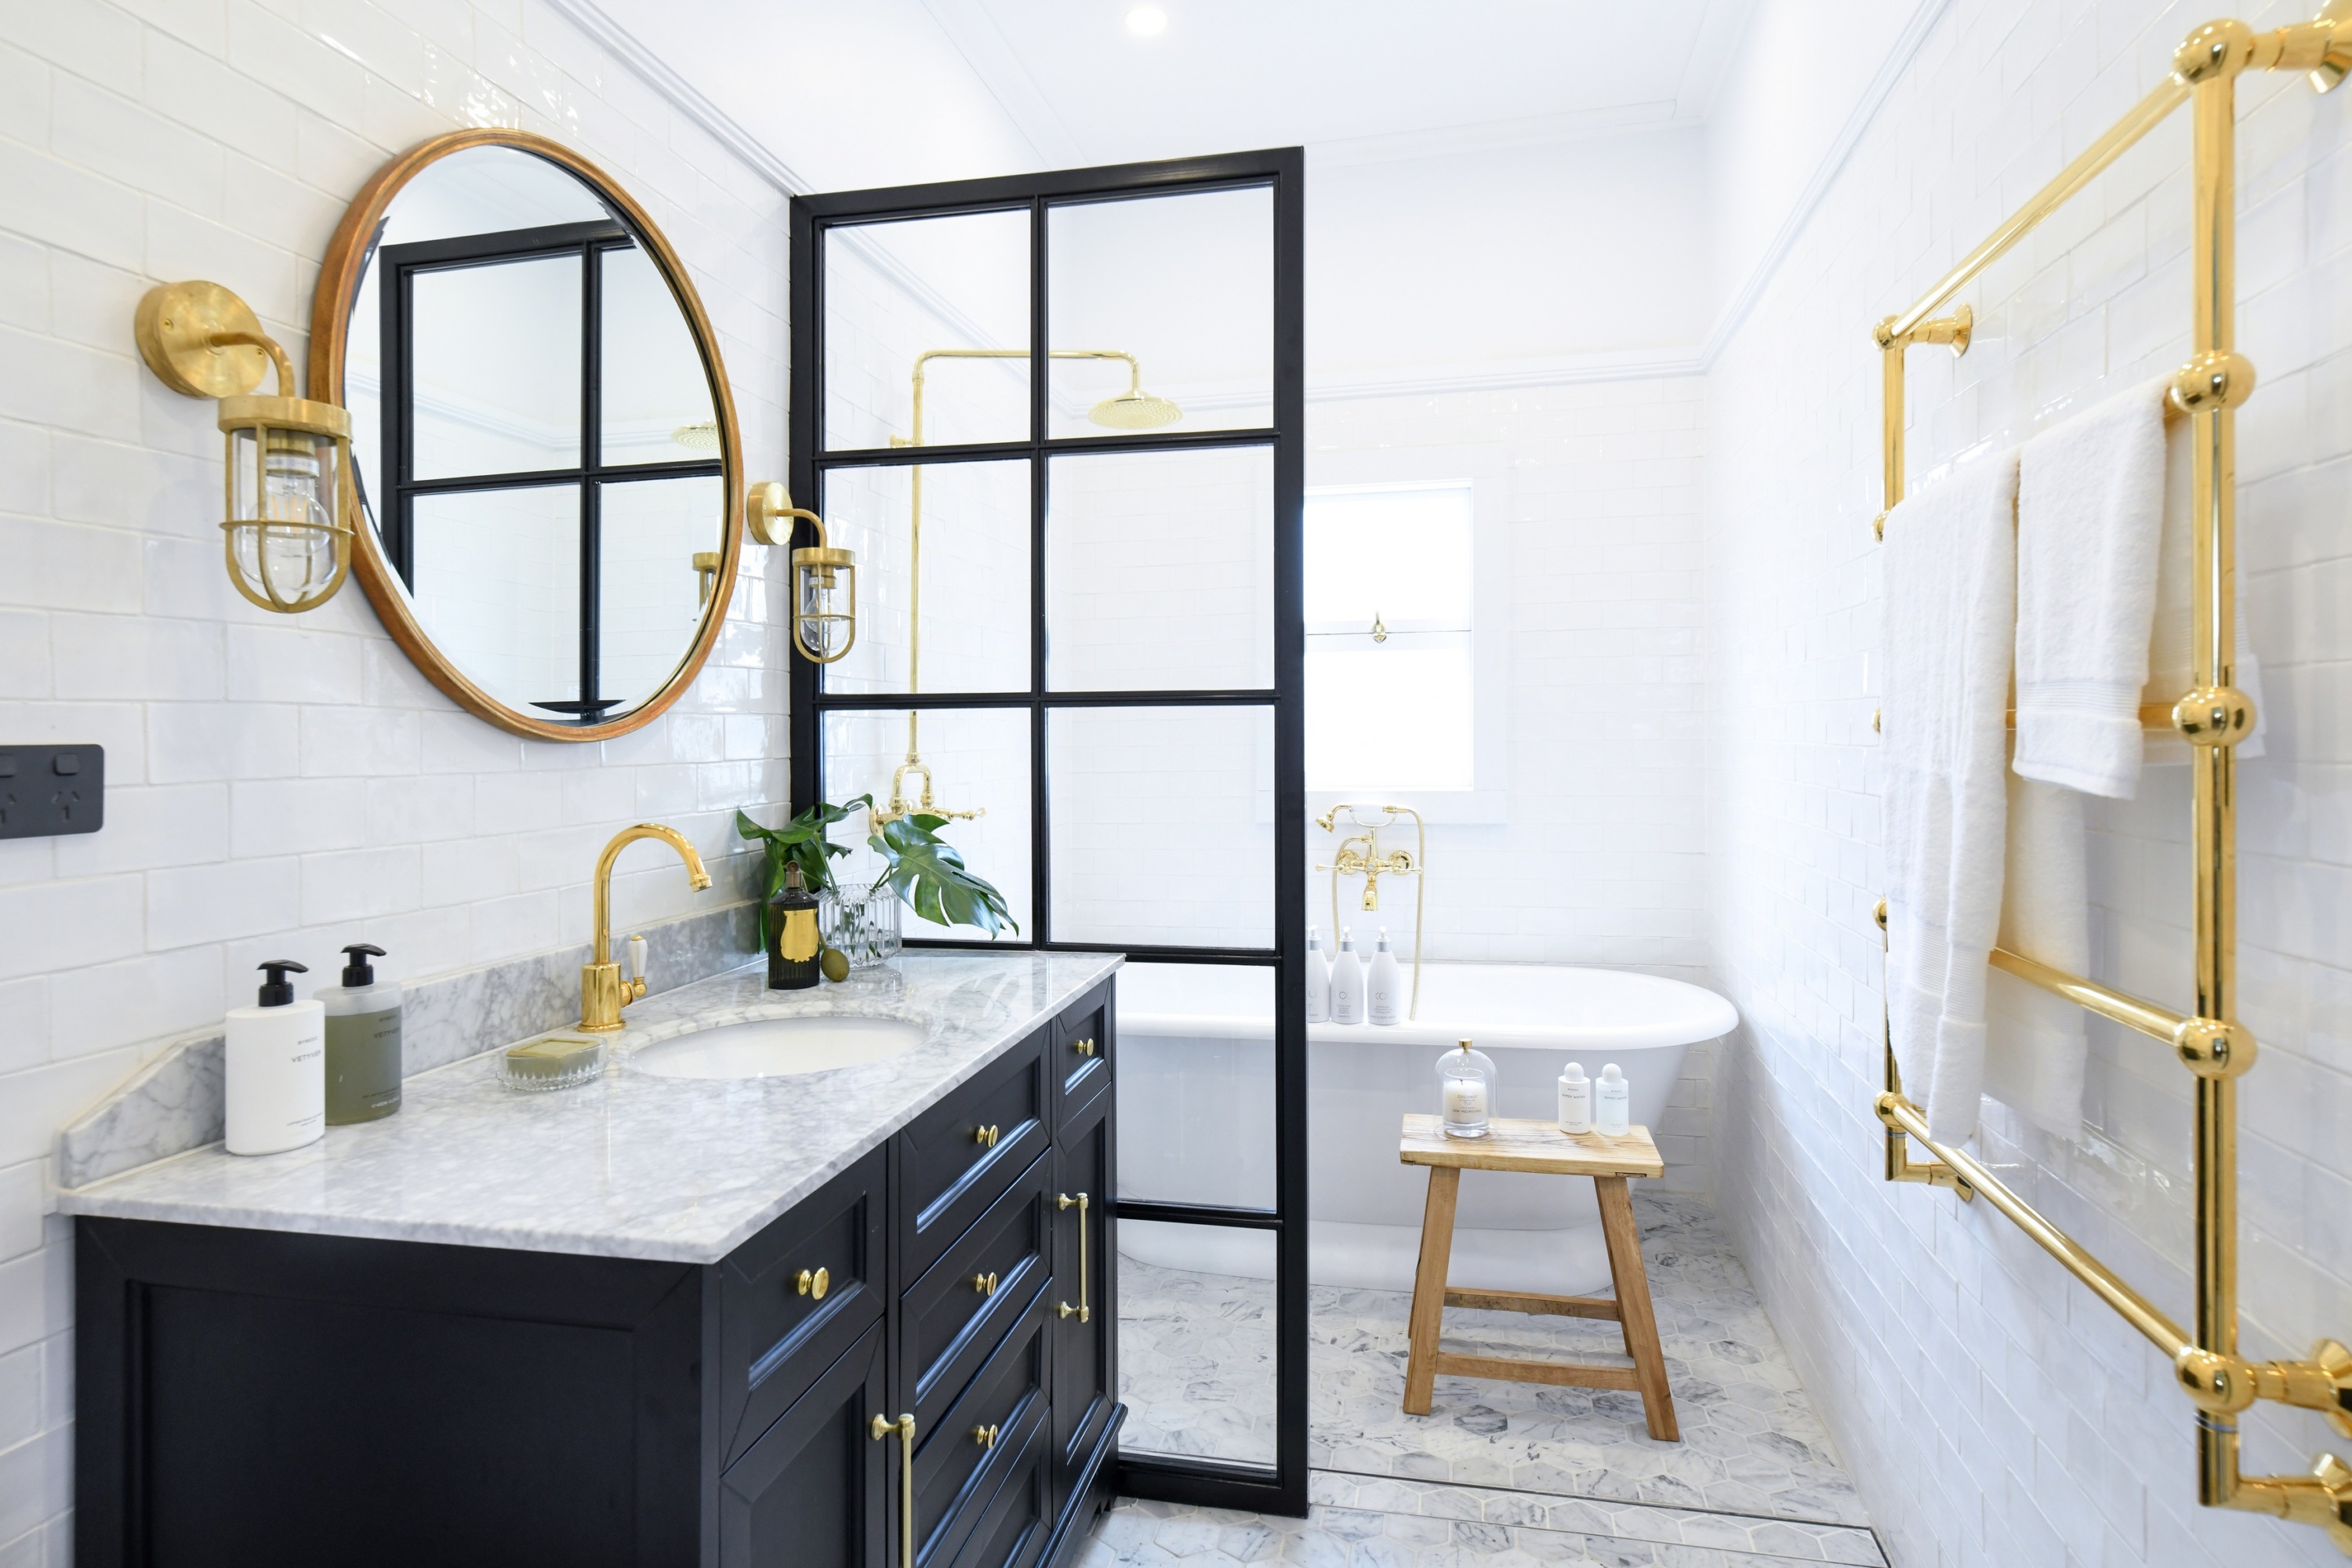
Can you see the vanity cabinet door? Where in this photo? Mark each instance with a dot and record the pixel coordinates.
(816, 1491)
(1085, 1345)
(796, 1296)
(1081, 1054)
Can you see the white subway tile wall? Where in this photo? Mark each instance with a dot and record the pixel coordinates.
(1993, 1412)
(285, 786)
(1600, 859)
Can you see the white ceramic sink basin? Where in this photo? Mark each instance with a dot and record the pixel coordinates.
(771, 1047)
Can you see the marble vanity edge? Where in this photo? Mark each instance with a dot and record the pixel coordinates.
(710, 1249)
(174, 1102)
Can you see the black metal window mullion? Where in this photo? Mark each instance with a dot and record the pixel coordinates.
(591, 444)
(1041, 378)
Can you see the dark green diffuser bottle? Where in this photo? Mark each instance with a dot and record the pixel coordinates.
(793, 941)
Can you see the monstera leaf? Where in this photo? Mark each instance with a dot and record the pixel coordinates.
(929, 876)
(801, 842)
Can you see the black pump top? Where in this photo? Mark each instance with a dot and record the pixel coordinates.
(278, 992)
(358, 970)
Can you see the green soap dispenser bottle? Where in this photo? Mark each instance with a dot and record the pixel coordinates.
(362, 1041)
(792, 941)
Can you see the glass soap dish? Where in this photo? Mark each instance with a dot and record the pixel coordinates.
(551, 1062)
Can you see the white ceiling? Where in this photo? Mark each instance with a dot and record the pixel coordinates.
(891, 91)
(1358, 79)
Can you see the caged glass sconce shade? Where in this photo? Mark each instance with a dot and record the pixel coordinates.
(825, 578)
(287, 535)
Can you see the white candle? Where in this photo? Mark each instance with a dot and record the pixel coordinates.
(1466, 1101)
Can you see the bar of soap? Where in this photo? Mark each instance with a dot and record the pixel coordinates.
(553, 1061)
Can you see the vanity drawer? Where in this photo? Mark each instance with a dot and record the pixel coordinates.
(1016, 1528)
(948, 1323)
(959, 1157)
(795, 1297)
(955, 1472)
(1081, 1052)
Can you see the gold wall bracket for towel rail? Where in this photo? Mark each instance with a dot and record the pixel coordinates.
(2213, 717)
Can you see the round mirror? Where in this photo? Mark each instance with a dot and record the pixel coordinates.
(549, 471)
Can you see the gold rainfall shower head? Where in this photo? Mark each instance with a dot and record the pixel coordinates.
(1134, 409)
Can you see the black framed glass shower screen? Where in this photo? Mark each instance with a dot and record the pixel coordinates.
(1079, 619)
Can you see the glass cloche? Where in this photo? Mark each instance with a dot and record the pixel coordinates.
(1466, 1091)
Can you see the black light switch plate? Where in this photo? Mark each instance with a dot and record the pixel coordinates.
(49, 790)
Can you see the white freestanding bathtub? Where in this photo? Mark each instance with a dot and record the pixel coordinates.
(1196, 1115)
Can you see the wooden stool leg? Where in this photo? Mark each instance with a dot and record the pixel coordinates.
(1634, 1309)
(1429, 1287)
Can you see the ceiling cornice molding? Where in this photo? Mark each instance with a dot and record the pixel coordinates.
(680, 94)
(1721, 30)
(972, 28)
(1739, 309)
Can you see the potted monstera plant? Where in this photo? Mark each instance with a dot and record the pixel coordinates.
(919, 869)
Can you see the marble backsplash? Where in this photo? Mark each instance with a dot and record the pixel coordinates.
(174, 1103)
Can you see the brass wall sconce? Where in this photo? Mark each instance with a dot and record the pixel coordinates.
(287, 537)
(825, 577)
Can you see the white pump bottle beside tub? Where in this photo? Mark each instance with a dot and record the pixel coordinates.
(1381, 1000)
(1319, 979)
(1613, 1103)
(277, 1066)
(1346, 983)
(1575, 1100)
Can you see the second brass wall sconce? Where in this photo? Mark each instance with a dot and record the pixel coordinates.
(287, 532)
(825, 577)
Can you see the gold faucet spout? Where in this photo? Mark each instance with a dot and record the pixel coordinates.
(602, 992)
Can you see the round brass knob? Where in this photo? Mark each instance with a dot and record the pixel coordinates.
(984, 1283)
(1086, 1048)
(814, 1285)
(984, 1136)
(984, 1436)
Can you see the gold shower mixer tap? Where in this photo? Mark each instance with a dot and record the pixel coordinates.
(1360, 855)
(921, 806)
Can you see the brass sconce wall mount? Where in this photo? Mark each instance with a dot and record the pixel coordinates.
(825, 577)
(289, 497)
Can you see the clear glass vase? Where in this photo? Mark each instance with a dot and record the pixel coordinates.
(863, 922)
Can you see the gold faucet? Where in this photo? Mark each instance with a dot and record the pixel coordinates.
(602, 992)
(1369, 863)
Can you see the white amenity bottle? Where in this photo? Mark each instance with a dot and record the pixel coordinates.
(1575, 1100)
(1319, 979)
(1613, 1103)
(277, 1067)
(1381, 998)
(1346, 983)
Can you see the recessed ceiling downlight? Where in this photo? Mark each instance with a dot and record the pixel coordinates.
(1147, 21)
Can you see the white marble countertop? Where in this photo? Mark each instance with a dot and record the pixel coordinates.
(632, 1165)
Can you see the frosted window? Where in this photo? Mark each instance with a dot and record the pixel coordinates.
(1389, 636)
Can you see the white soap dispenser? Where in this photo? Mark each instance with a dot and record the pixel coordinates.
(1575, 1100)
(1319, 979)
(1613, 1103)
(1380, 989)
(1346, 983)
(277, 1067)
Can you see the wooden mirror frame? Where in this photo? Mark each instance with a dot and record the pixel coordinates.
(338, 279)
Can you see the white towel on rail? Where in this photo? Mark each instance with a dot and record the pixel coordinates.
(2168, 654)
(2090, 519)
(1949, 618)
(2035, 1044)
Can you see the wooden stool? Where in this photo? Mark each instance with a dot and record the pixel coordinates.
(1540, 1147)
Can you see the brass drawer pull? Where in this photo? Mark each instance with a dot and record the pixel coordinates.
(881, 1427)
(815, 1286)
(984, 1436)
(984, 1283)
(1082, 1312)
(1085, 1047)
(984, 1136)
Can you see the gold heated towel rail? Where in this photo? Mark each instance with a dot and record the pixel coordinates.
(2214, 717)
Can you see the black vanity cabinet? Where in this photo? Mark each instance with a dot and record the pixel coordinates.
(251, 1396)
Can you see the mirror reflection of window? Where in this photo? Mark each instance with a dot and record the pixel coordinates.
(1390, 692)
(547, 476)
